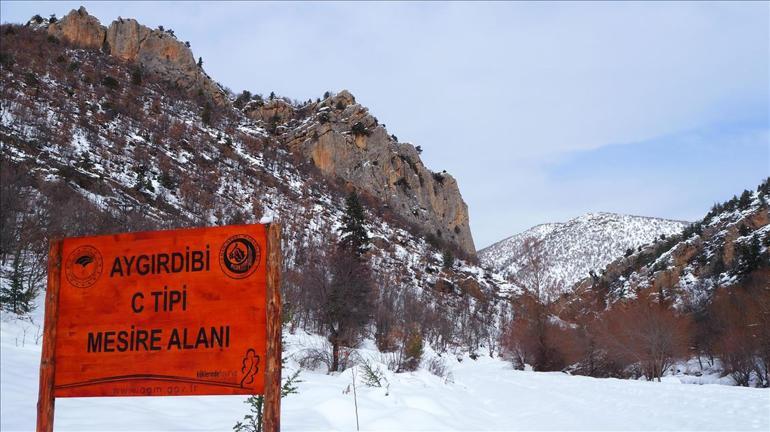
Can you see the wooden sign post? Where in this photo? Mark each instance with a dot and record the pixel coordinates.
(164, 313)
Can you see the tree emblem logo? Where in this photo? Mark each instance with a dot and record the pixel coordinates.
(83, 266)
(239, 256)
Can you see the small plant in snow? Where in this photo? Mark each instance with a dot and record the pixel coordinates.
(252, 422)
(372, 375)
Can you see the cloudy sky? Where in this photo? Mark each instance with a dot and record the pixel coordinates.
(541, 111)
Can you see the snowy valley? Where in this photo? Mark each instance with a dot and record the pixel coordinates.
(481, 394)
(602, 322)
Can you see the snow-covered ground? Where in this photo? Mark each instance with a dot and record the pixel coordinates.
(486, 394)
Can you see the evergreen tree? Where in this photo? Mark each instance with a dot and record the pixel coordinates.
(143, 182)
(253, 422)
(718, 265)
(448, 259)
(749, 255)
(745, 200)
(14, 297)
(206, 114)
(347, 306)
(136, 76)
(353, 230)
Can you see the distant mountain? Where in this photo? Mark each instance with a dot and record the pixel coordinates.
(574, 248)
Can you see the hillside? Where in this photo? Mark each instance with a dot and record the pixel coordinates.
(574, 248)
(727, 248)
(103, 130)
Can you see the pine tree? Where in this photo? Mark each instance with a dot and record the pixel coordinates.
(448, 258)
(749, 255)
(353, 230)
(206, 114)
(136, 76)
(745, 200)
(14, 297)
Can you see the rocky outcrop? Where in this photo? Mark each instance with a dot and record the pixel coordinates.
(274, 110)
(344, 140)
(156, 51)
(340, 137)
(79, 28)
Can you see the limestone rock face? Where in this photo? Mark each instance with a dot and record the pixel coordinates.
(125, 37)
(157, 51)
(79, 28)
(275, 110)
(345, 141)
(337, 134)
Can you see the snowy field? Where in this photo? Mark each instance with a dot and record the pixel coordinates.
(486, 395)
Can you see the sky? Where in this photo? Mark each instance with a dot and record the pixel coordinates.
(542, 111)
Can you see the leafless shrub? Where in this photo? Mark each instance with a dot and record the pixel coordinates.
(314, 357)
(391, 360)
(437, 366)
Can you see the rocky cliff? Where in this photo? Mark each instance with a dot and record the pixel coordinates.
(82, 154)
(343, 140)
(339, 136)
(157, 51)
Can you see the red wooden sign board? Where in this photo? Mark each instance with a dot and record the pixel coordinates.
(164, 313)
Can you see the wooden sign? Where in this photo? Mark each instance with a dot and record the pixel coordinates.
(165, 313)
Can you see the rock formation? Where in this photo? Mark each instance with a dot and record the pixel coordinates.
(340, 137)
(157, 51)
(79, 28)
(344, 140)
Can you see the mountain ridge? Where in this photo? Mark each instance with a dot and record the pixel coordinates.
(336, 134)
(89, 147)
(585, 214)
(570, 250)
(726, 248)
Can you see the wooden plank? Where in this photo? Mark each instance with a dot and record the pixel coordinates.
(46, 400)
(272, 416)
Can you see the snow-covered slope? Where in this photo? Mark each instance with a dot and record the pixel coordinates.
(582, 244)
(727, 248)
(485, 394)
(85, 157)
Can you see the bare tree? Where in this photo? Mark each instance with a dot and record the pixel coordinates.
(337, 297)
(741, 316)
(532, 275)
(646, 333)
(534, 334)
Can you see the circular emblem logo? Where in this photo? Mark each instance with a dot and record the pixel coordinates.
(83, 266)
(239, 256)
